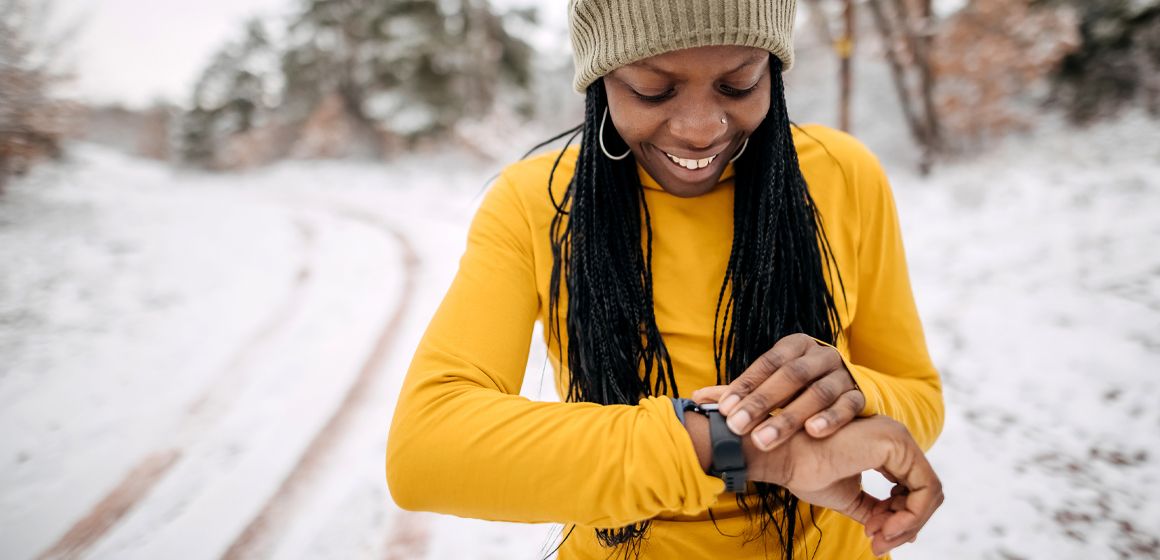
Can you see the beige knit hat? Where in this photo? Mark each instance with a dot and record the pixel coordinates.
(607, 34)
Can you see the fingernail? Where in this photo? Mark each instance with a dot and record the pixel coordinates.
(738, 421)
(765, 436)
(818, 424)
(729, 403)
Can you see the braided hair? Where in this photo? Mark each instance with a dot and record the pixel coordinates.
(774, 283)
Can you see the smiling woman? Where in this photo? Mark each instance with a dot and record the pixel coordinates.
(695, 239)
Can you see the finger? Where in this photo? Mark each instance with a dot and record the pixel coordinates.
(899, 540)
(861, 508)
(924, 490)
(911, 510)
(786, 349)
(786, 384)
(709, 394)
(881, 545)
(878, 517)
(817, 397)
(839, 414)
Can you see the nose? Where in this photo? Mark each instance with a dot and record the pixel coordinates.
(697, 125)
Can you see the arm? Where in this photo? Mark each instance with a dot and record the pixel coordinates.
(887, 356)
(885, 370)
(464, 442)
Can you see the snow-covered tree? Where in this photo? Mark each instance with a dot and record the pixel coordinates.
(1118, 62)
(406, 67)
(235, 94)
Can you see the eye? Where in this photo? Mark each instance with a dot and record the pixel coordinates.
(652, 98)
(734, 92)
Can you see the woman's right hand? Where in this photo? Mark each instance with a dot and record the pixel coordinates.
(827, 472)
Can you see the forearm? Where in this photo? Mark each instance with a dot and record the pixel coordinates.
(475, 453)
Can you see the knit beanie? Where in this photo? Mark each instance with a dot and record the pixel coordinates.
(607, 34)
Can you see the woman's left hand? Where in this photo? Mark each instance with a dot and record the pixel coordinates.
(797, 382)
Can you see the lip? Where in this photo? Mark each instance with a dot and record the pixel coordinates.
(702, 155)
(693, 175)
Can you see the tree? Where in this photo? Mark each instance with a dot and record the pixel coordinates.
(408, 67)
(1118, 62)
(993, 59)
(32, 120)
(235, 94)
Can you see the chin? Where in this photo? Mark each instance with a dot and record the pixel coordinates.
(686, 190)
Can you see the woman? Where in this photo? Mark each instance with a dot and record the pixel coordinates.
(693, 239)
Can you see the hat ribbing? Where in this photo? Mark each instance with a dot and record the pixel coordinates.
(607, 34)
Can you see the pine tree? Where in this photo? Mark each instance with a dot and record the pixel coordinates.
(235, 94)
(407, 67)
(1118, 62)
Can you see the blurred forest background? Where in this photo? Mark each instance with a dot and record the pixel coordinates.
(225, 224)
(376, 79)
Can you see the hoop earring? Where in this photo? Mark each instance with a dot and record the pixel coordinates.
(605, 150)
(742, 151)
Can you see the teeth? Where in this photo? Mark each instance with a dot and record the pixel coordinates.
(691, 163)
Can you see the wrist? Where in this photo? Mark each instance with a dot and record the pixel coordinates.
(698, 428)
(727, 460)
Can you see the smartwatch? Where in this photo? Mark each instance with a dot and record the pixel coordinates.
(728, 459)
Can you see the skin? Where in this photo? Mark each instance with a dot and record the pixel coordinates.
(674, 103)
(699, 87)
(828, 472)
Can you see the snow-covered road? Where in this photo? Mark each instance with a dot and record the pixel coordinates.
(235, 343)
(142, 424)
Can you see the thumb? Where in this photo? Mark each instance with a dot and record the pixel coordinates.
(863, 507)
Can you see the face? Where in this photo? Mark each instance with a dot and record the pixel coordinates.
(668, 108)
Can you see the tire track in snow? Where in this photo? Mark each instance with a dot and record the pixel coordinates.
(259, 538)
(151, 469)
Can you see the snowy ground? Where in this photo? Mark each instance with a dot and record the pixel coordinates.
(194, 366)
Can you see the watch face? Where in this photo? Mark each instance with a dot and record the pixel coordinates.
(708, 406)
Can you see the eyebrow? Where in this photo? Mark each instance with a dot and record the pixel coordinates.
(751, 60)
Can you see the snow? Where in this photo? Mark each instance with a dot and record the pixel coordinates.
(223, 318)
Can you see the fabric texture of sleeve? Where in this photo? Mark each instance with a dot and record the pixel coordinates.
(464, 442)
(888, 356)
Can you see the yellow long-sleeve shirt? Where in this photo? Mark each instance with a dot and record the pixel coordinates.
(464, 442)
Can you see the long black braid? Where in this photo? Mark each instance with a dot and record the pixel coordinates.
(774, 283)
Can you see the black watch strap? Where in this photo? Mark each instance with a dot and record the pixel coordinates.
(728, 458)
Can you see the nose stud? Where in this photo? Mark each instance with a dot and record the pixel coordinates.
(722, 120)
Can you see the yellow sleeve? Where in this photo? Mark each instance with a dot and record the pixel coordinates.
(888, 357)
(887, 351)
(464, 442)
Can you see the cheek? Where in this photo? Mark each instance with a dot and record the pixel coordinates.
(632, 123)
(754, 110)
